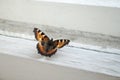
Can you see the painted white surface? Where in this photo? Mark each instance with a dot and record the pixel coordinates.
(85, 57)
(25, 30)
(95, 19)
(16, 68)
(107, 3)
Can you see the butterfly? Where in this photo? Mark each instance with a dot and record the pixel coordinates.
(46, 46)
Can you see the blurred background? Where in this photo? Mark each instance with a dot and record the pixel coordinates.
(93, 27)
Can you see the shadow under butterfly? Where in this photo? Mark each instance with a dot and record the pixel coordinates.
(48, 47)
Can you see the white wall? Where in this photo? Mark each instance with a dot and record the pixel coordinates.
(16, 68)
(72, 16)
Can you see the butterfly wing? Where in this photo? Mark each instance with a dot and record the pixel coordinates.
(46, 46)
(60, 43)
(40, 36)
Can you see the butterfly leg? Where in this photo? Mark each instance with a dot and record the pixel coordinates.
(37, 46)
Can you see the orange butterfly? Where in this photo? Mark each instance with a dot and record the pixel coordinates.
(46, 46)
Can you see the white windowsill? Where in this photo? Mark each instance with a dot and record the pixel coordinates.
(79, 56)
(19, 56)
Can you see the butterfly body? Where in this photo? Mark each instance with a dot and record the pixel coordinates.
(42, 50)
(46, 46)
